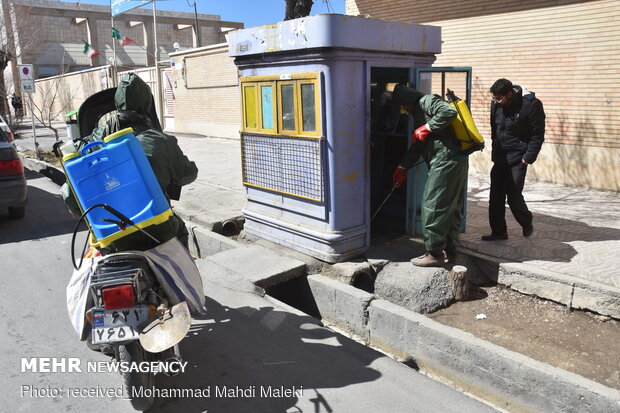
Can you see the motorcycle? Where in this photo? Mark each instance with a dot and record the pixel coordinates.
(133, 321)
(135, 306)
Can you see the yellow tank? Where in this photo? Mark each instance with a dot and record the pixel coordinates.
(464, 126)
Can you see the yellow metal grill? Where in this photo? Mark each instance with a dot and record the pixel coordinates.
(282, 164)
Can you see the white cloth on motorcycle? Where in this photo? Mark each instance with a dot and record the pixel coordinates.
(172, 265)
(78, 295)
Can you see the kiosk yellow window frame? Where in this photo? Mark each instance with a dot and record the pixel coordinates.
(295, 102)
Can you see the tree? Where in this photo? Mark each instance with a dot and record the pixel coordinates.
(55, 96)
(15, 20)
(297, 8)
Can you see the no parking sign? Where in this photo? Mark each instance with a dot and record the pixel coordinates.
(26, 78)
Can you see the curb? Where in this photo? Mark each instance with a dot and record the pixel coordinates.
(565, 289)
(505, 378)
(573, 292)
(47, 169)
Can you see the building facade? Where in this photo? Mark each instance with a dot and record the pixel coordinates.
(50, 35)
(566, 51)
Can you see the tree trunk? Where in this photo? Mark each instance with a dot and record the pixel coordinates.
(459, 282)
(55, 131)
(295, 9)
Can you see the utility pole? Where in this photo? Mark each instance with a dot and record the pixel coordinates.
(158, 93)
(197, 30)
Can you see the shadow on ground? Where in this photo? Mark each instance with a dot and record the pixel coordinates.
(262, 349)
(46, 216)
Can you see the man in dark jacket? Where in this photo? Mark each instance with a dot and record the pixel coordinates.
(434, 140)
(518, 132)
(133, 101)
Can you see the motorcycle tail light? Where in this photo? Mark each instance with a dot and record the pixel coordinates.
(120, 296)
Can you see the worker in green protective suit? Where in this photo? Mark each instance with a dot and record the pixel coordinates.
(434, 140)
(172, 168)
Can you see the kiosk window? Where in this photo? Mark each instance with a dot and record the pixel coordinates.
(282, 104)
(288, 107)
(249, 98)
(308, 107)
(267, 106)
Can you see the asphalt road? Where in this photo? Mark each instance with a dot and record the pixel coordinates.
(250, 354)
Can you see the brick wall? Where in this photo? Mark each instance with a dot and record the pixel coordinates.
(564, 50)
(207, 98)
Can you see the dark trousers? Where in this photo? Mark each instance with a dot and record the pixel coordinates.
(507, 182)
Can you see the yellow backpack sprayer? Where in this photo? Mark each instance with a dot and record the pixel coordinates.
(464, 127)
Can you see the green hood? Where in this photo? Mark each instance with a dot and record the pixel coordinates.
(133, 94)
(403, 95)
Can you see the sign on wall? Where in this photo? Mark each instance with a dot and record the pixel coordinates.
(26, 78)
(121, 6)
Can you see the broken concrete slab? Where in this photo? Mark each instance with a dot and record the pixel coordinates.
(348, 272)
(422, 290)
(260, 265)
(377, 264)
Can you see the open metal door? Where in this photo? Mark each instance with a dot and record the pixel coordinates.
(433, 80)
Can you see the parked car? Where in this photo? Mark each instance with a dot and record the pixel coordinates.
(4, 126)
(13, 193)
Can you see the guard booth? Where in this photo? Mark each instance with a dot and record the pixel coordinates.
(320, 137)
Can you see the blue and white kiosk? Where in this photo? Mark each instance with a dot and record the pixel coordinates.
(319, 138)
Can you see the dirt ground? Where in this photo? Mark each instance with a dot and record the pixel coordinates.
(577, 341)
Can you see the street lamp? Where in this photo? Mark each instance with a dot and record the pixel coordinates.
(197, 28)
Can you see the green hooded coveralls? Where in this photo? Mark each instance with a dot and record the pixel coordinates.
(171, 167)
(447, 168)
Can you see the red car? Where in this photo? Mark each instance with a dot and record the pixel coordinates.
(13, 194)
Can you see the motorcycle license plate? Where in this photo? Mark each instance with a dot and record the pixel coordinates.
(110, 326)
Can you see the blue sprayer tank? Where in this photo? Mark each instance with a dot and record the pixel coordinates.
(116, 173)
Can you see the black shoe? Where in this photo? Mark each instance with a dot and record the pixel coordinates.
(494, 237)
(528, 230)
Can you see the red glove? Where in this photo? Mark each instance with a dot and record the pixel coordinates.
(421, 133)
(399, 177)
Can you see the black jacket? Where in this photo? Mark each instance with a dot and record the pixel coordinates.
(517, 129)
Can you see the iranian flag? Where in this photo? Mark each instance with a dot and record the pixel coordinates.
(89, 51)
(119, 36)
